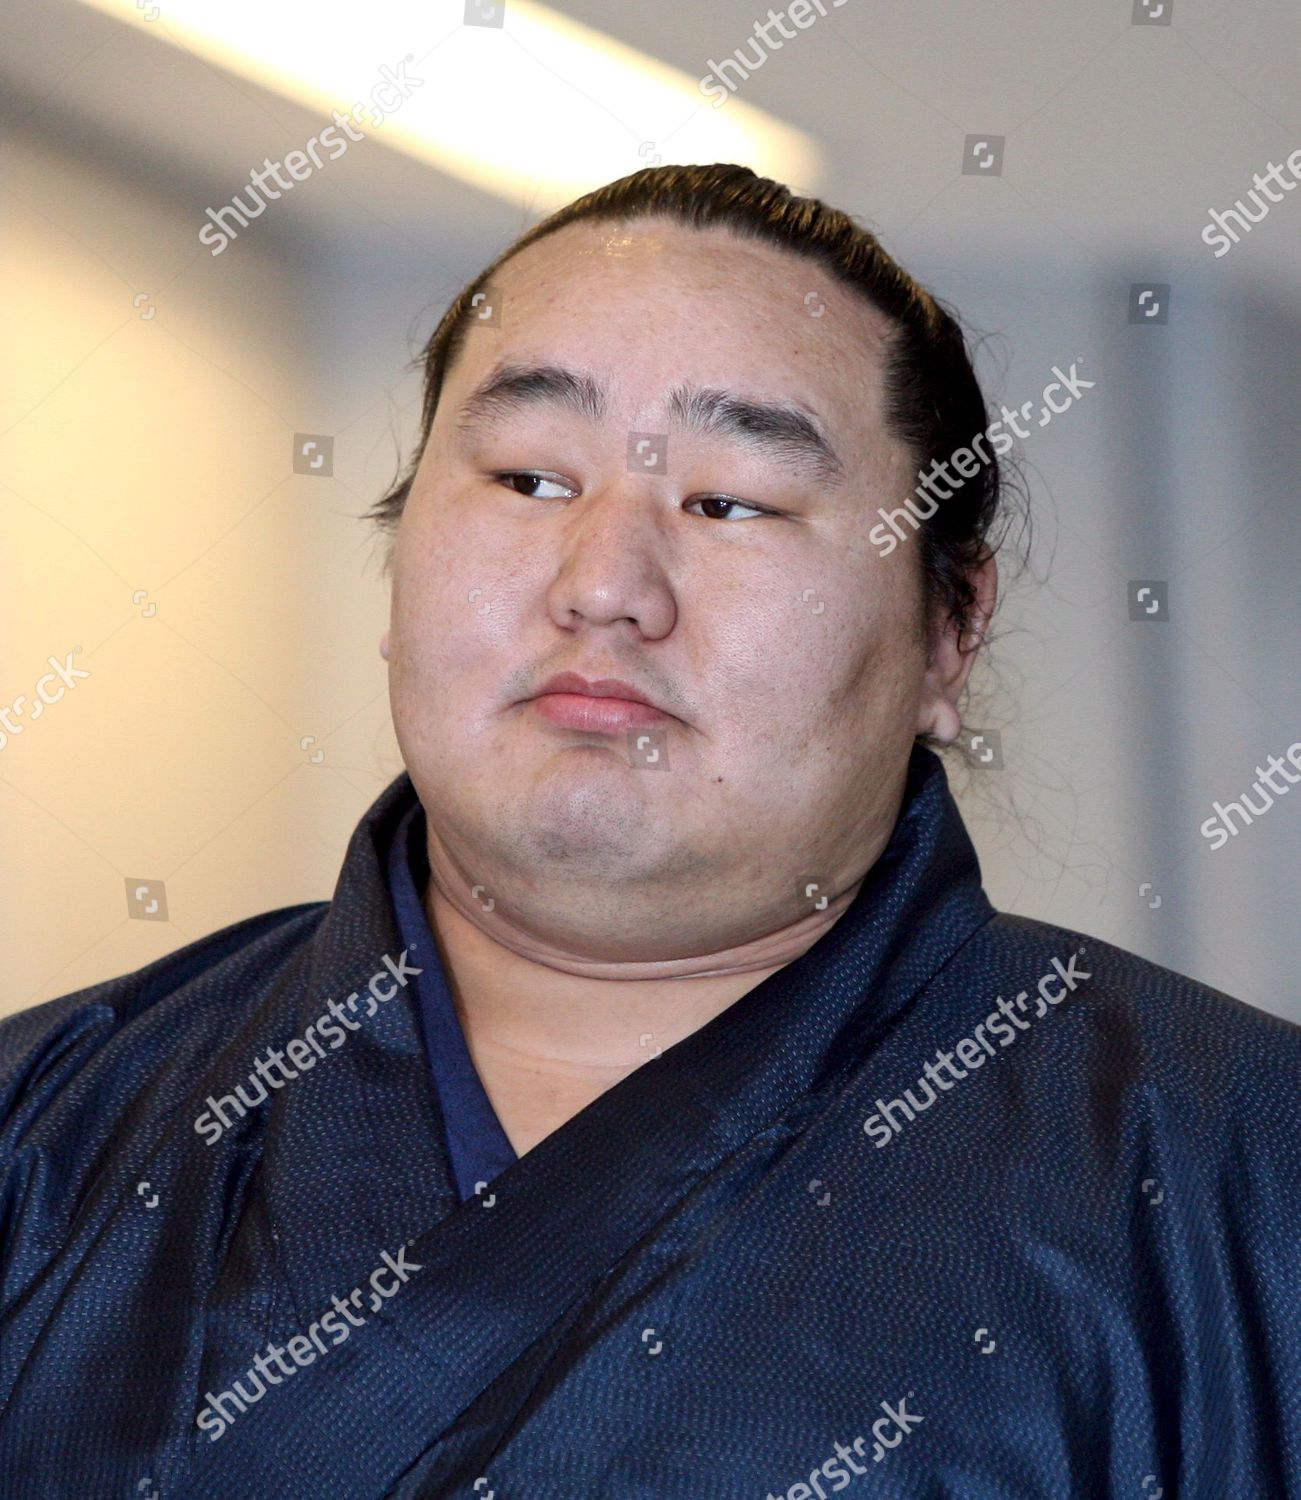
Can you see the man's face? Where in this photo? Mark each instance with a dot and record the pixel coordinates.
(723, 569)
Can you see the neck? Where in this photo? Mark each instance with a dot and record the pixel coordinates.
(549, 1031)
(566, 1014)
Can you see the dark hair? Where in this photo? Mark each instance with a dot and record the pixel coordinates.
(934, 403)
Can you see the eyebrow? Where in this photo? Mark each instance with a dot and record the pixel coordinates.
(785, 432)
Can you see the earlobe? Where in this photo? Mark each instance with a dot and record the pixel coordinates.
(941, 720)
(384, 645)
(946, 675)
(953, 657)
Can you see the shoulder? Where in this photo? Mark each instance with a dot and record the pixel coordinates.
(100, 1044)
(1213, 1066)
(1126, 984)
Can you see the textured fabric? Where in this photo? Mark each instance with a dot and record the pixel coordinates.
(797, 1254)
(477, 1146)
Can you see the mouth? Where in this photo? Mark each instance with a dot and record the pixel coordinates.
(606, 706)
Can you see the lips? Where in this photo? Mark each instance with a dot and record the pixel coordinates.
(608, 705)
(603, 687)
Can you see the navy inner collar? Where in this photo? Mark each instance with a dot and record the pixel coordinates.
(477, 1145)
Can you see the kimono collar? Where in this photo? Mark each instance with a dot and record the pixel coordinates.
(354, 1160)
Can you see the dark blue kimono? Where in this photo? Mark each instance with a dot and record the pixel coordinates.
(957, 1204)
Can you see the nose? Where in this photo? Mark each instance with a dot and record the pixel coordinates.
(612, 563)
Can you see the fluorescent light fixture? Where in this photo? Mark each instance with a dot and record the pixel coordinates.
(537, 108)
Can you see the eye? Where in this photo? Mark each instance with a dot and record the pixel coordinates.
(527, 477)
(731, 506)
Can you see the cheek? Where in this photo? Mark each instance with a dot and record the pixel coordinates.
(839, 672)
(873, 648)
(878, 656)
(456, 599)
(776, 652)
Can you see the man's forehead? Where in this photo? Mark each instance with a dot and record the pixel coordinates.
(752, 280)
(829, 372)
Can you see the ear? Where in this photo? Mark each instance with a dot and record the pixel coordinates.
(952, 657)
(384, 645)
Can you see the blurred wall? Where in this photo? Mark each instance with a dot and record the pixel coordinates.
(151, 524)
